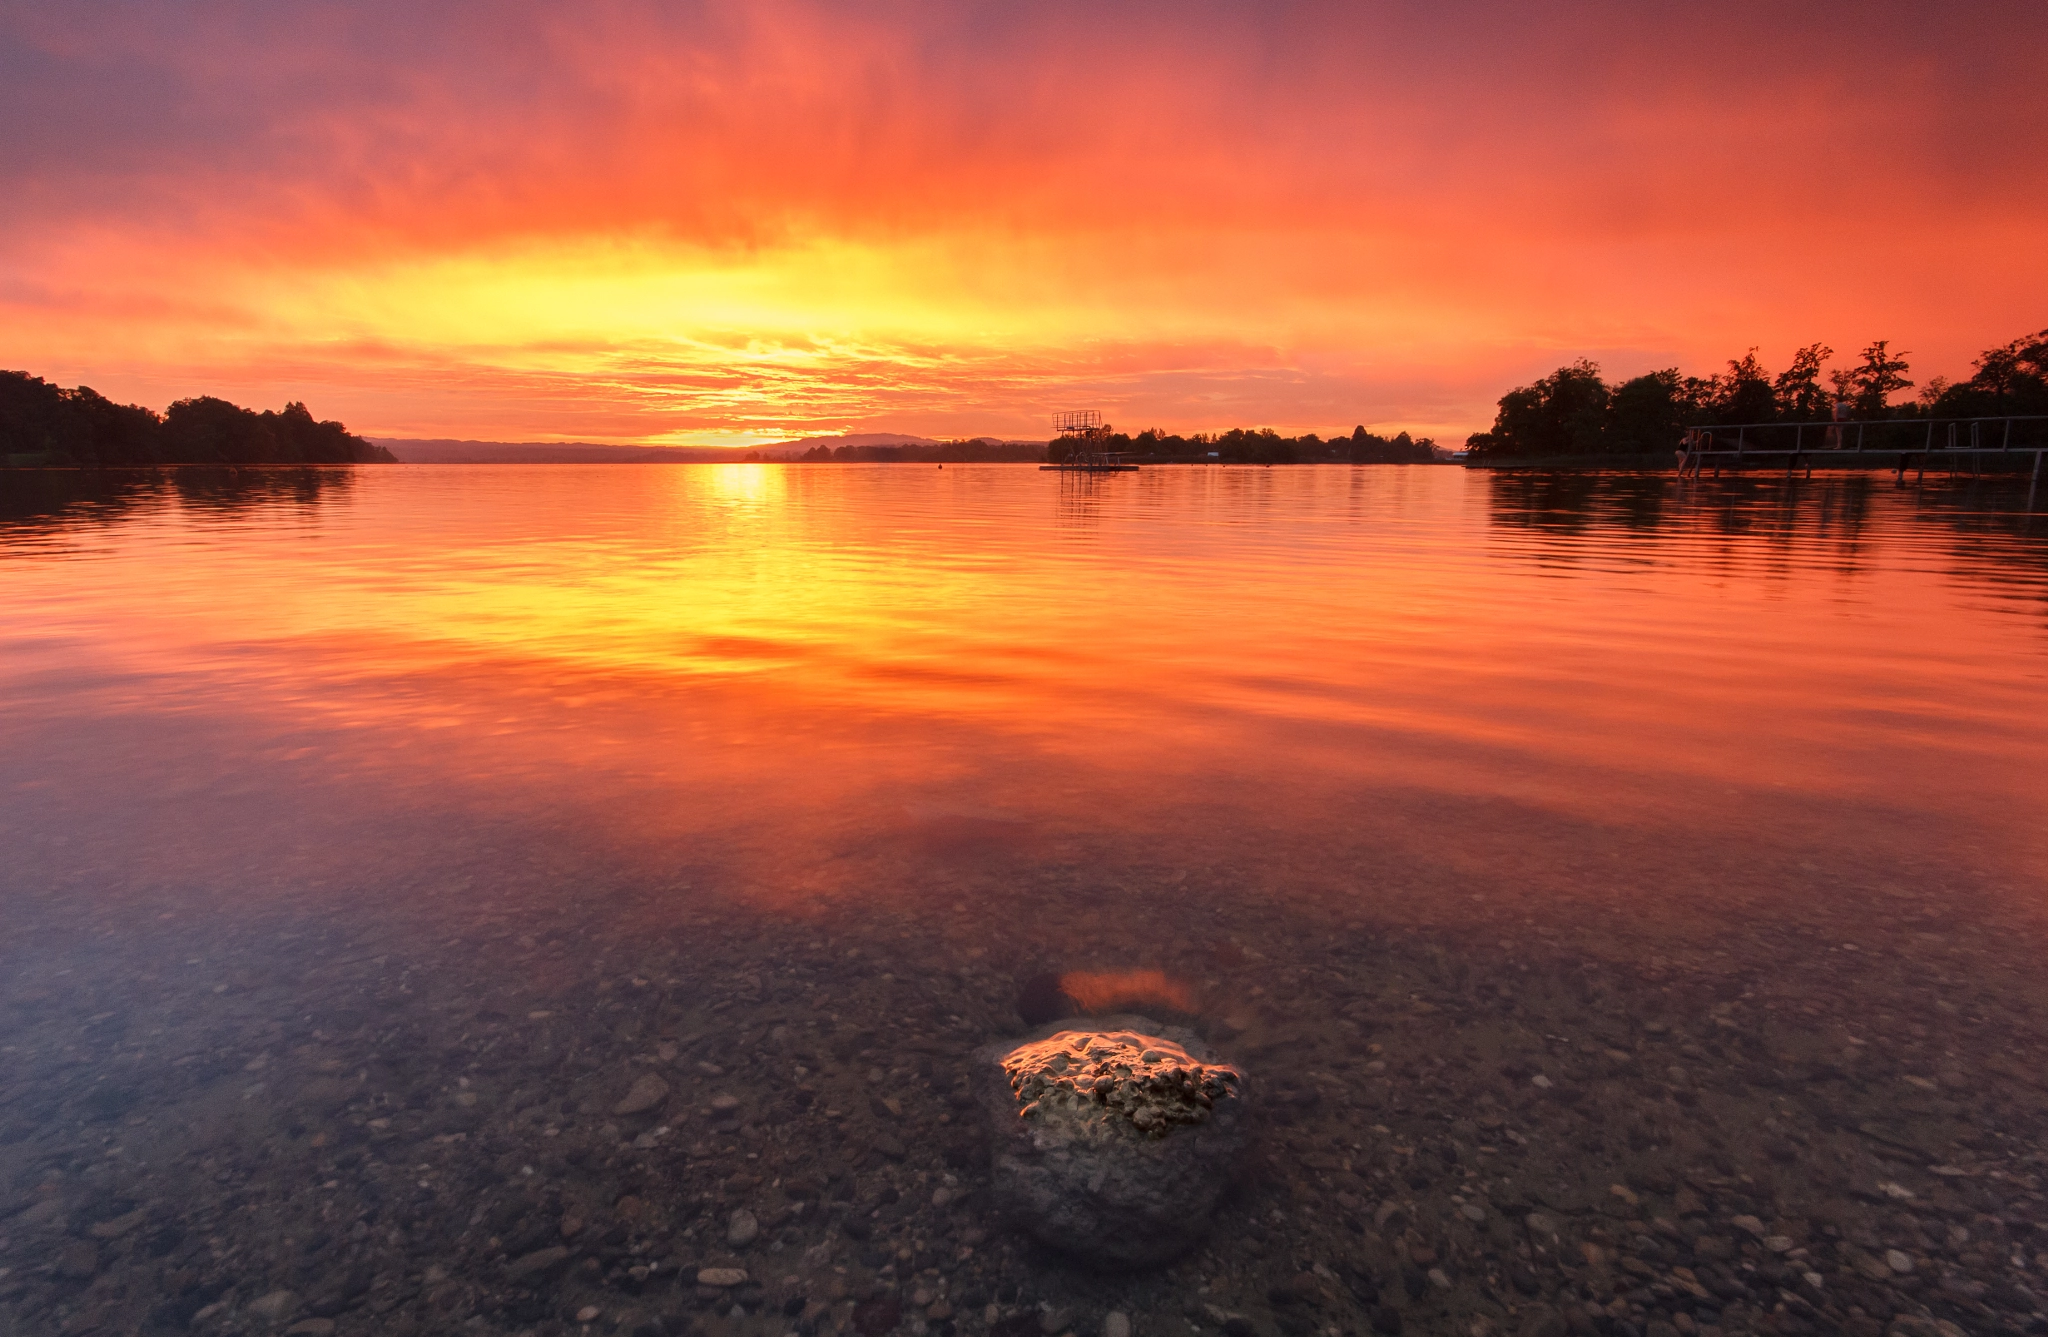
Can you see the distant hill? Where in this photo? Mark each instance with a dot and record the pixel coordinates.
(442, 450)
(973, 450)
(790, 450)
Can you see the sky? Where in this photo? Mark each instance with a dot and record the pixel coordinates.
(711, 223)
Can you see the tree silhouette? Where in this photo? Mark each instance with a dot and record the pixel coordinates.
(1798, 390)
(42, 423)
(1573, 412)
(1747, 394)
(1880, 376)
(2010, 379)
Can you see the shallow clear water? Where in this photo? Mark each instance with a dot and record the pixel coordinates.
(369, 832)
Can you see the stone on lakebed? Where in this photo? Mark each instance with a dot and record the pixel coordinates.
(1113, 1142)
(647, 1093)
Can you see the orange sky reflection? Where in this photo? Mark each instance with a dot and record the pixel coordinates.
(850, 680)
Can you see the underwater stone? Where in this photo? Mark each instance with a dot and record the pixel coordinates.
(648, 1092)
(1113, 1143)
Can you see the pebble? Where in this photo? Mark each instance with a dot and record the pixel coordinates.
(529, 1266)
(724, 1103)
(41, 1214)
(275, 1307)
(1898, 1261)
(79, 1261)
(119, 1226)
(874, 1318)
(647, 1092)
(588, 1314)
(1913, 1325)
(311, 1327)
(1116, 1323)
(742, 1229)
(722, 1277)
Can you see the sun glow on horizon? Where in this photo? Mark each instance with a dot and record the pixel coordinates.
(749, 225)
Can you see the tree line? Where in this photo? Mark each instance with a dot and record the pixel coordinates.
(1573, 411)
(1239, 445)
(46, 424)
(1260, 445)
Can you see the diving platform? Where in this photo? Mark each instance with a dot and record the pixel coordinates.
(1083, 438)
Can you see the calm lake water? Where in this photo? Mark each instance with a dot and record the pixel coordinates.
(1626, 894)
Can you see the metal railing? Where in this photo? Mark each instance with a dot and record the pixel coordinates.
(1906, 442)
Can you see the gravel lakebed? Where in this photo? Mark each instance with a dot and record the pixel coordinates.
(727, 1121)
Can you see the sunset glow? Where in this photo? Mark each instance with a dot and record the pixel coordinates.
(727, 224)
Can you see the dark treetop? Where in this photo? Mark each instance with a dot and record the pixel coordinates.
(1573, 411)
(1263, 446)
(43, 424)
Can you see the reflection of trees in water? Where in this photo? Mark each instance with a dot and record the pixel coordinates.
(1567, 502)
(38, 501)
(1982, 522)
(1993, 534)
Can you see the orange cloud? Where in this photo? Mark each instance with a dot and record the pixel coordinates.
(724, 222)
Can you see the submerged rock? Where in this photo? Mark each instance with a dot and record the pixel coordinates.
(647, 1093)
(1113, 1143)
(275, 1307)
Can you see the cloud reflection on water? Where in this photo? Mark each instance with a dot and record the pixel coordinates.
(837, 681)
